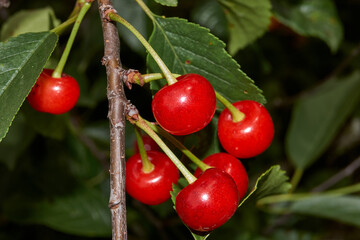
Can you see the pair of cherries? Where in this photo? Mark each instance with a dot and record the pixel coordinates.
(188, 105)
(205, 204)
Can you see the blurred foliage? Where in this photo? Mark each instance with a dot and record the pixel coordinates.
(54, 169)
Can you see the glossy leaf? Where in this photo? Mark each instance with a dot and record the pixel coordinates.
(36, 20)
(312, 18)
(84, 212)
(317, 118)
(18, 71)
(272, 182)
(345, 209)
(247, 21)
(189, 48)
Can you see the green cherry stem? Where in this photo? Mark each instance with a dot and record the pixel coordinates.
(296, 178)
(147, 166)
(187, 174)
(236, 114)
(59, 68)
(169, 77)
(63, 26)
(203, 166)
(71, 19)
(146, 9)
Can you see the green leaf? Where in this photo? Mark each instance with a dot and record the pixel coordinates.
(272, 182)
(48, 125)
(83, 212)
(24, 21)
(209, 14)
(345, 209)
(312, 18)
(247, 21)
(198, 237)
(170, 3)
(317, 118)
(18, 139)
(21, 62)
(189, 48)
(176, 189)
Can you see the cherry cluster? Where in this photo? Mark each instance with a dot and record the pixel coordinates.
(186, 107)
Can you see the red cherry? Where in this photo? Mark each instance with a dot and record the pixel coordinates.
(186, 106)
(149, 144)
(249, 137)
(209, 202)
(231, 166)
(54, 95)
(154, 187)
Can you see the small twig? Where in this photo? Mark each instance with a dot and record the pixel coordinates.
(347, 171)
(116, 115)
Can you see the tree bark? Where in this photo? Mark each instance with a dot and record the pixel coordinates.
(116, 115)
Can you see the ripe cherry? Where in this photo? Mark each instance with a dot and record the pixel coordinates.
(186, 106)
(209, 202)
(231, 166)
(152, 187)
(54, 95)
(149, 144)
(250, 136)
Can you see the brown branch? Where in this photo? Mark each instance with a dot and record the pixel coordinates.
(116, 115)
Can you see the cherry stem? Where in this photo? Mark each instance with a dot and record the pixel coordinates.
(203, 166)
(71, 19)
(187, 174)
(147, 166)
(169, 77)
(59, 68)
(293, 197)
(236, 114)
(63, 26)
(296, 178)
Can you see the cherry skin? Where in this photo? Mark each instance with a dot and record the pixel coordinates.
(231, 166)
(154, 187)
(209, 202)
(149, 144)
(186, 106)
(250, 136)
(54, 95)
